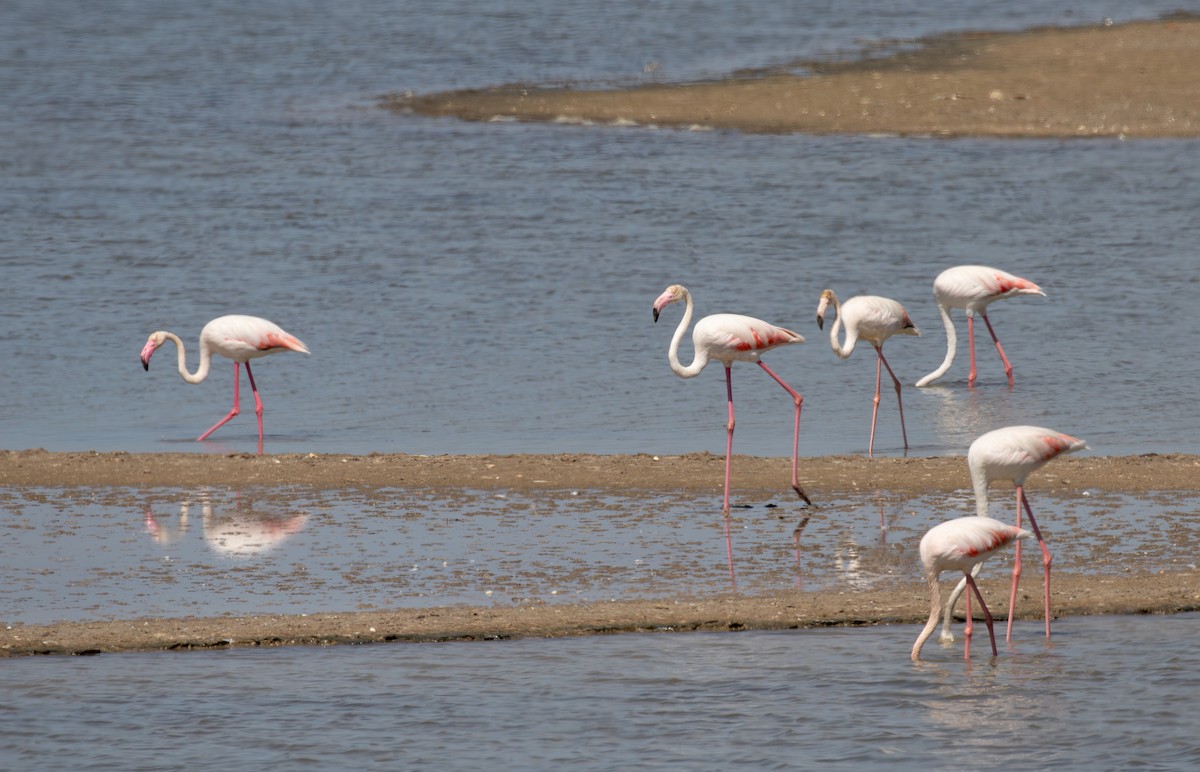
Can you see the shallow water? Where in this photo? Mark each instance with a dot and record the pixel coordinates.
(111, 554)
(1093, 697)
(487, 288)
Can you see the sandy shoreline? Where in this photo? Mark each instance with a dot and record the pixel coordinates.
(1134, 80)
(1111, 590)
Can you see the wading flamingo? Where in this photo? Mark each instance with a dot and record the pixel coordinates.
(874, 319)
(1012, 453)
(973, 288)
(728, 338)
(961, 544)
(240, 338)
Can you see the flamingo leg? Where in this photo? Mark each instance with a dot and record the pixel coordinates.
(968, 629)
(899, 401)
(728, 461)
(971, 345)
(258, 407)
(999, 349)
(798, 400)
(1023, 502)
(233, 411)
(875, 402)
(987, 615)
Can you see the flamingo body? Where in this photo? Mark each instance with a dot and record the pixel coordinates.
(873, 319)
(1012, 454)
(973, 288)
(236, 337)
(961, 545)
(729, 338)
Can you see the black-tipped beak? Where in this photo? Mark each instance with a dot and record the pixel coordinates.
(146, 365)
(820, 322)
(655, 314)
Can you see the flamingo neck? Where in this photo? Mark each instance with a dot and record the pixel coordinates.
(205, 360)
(700, 356)
(842, 350)
(951, 345)
(979, 481)
(935, 611)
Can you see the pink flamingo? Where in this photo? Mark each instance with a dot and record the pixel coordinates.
(973, 288)
(240, 338)
(1012, 453)
(874, 319)
(961, 544)
(728, 338)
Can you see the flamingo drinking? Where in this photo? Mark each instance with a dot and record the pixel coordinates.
(961, 544)
(730, 338)
(240, 338)
(973, 288)
(1012, 453)
(874, 319)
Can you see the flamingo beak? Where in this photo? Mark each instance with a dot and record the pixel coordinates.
(821, 312)
(147, 352)
(656, 314)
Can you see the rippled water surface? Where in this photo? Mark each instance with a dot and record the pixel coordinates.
(1108, 692)
(487, 288)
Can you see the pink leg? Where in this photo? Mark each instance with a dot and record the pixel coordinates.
(1016, 572)
(971, 341)
(999, 348)
(234, 411)
(728, 460)
(258, 407)
(799, 402)
(875, 403)
(1022, 499)
(968, 627)
(899, 401)
(987, 615)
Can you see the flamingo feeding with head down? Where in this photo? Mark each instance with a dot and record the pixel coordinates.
(961, 545)
(730, 338)
(240, 338)
(973, 288)
(874, 319)
(1012, 453)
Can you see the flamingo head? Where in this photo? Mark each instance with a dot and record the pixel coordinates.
(672, 294)
(827, 297)
(152, 343)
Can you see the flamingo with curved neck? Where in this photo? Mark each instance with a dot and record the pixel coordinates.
(873, 319)
(973, 288)
(729, 338)
(1013, 453)
(236, 337)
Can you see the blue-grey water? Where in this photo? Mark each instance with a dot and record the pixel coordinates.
(1092, 698)
(487, 288)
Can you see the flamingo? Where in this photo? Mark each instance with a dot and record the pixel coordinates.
(730, 338)
(961, 544)
(874, 319)
(973, 288)
(240, 338)
(1012, 453)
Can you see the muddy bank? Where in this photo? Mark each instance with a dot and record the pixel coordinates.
(614, 473)
(903, 604)
(1110, 582)
(1135, 80)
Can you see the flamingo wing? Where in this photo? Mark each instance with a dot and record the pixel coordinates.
(241, 337)
(732, 336)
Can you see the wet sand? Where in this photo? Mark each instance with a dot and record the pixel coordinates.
(1110, 590)
(1134, 80)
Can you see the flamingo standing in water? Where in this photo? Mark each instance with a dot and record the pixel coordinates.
(1012, 453)
(730, 338)
(973, 288)
(961, 544)
(240, 338)
(874, 319)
